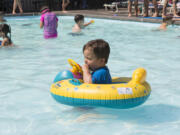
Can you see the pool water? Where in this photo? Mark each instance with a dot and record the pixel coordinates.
(28, 70)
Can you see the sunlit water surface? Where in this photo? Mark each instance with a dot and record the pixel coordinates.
(28, 69)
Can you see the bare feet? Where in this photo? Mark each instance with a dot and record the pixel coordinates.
(13, 12)
(175, 15)
(129, 15)
(155, 15)
(21, 11)
(136, 14)
(163, 15)
(145, 15)
(64, 11)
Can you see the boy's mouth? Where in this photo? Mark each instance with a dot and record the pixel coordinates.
(90, 68)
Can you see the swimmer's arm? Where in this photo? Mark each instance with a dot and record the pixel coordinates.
(41, 24)
(86, 24)
(4, 42)
(87, 78)
(162, 27)
(56, 24)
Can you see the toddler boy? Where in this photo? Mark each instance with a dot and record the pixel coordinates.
(96, 54)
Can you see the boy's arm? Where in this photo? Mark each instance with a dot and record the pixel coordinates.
(56, 24)
(86, 24)
(87, 78)
(41, 21)
(41, 24)
(162, 27)
(4, 42)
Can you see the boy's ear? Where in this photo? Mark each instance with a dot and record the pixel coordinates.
(103, 60)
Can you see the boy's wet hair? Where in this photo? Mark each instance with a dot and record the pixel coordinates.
(100, 48)
(5, 28)
(78, 18)
(167, 18)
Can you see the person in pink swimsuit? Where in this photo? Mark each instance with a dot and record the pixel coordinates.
(49, 22)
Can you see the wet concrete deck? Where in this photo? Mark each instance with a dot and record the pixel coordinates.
(101, 13)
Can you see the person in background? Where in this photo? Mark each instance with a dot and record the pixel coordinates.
(65, 3)
(79, 23)
(130, 2)
(168, 20)
(5, 33)
(49, 22)
(156, 11)
(146, 8)
(174, 8)
(17, 3)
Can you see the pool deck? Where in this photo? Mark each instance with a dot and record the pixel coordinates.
(101, 13)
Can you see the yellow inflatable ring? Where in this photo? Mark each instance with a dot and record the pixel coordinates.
(124, 92)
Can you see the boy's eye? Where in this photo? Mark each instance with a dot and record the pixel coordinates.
(88, 58)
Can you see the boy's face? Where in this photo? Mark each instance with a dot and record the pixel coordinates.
(91, 60)
(169, 21)
(1, 33)
(81, 23)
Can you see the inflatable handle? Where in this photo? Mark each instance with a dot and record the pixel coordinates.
(76, 68)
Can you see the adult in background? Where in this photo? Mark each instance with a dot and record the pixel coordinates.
(174, 8)
(65, 3)
(15, 4)
(130, 2)
(146, 8)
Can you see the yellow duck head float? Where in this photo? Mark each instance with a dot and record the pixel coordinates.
(139, 76)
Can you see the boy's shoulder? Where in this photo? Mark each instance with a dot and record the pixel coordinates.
(101, 70)
(76, 28)
(101, 76)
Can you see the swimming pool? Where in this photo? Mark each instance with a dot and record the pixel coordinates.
(27, 72)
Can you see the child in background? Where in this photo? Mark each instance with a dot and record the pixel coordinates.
(4, 31)
(96, 54)
(79, 20)
(49, 21)
(166, 21)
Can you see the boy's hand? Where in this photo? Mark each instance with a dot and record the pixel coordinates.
(86, 74)
(85, 68)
